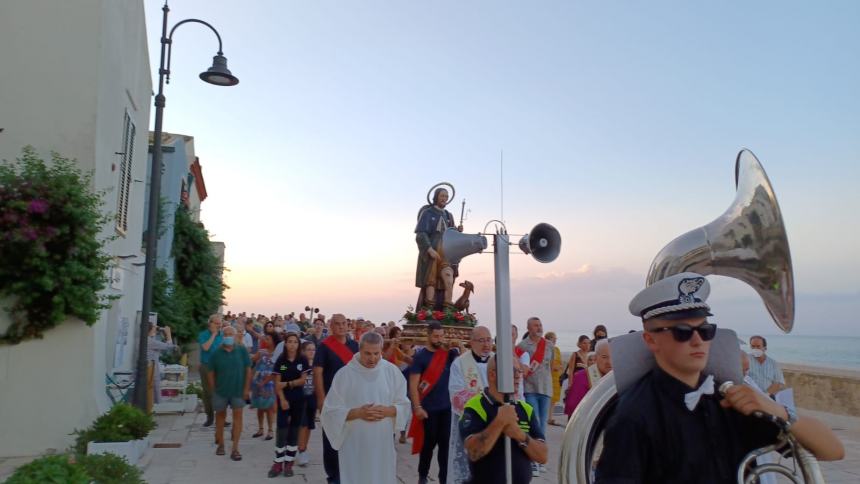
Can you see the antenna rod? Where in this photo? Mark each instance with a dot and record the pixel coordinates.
(502, 182)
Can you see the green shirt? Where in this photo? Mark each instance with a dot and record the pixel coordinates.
(230, 368)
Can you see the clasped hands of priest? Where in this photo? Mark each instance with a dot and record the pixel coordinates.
(372, 412)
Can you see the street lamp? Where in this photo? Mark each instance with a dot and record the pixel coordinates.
(218, 75)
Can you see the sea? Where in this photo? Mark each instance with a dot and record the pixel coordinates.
(841, 352)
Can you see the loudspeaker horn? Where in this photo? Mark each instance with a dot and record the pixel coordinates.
(747, 242)
(456, 245)
(543, 243)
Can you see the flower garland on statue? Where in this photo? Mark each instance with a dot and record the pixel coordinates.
(448, 316)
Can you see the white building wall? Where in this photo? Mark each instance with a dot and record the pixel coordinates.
(70, 72)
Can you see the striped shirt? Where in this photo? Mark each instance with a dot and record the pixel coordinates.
(765, 374)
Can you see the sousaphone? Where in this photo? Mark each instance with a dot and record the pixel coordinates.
(747, 242)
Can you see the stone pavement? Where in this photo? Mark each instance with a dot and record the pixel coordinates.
(196, 461)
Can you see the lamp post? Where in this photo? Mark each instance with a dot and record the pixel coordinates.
(218, 75)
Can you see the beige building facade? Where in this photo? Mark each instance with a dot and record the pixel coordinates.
(75, 79)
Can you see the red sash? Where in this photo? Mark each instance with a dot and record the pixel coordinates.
(341, 350)
(537, 358)
(426, 383)
(518, 351)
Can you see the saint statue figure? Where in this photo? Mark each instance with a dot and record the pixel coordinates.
(433, 273)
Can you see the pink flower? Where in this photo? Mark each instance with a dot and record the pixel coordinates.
(38, 206)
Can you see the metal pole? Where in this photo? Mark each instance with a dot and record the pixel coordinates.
(140, 386)
(504, 345)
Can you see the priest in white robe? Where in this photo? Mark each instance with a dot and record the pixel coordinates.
(468, 378)
(364, 408)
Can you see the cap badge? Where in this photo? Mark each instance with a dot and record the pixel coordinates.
(687, 289)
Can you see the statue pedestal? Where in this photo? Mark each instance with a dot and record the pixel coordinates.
(416, 333)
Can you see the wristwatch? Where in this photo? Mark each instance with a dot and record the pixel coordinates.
(792, 415)
(525, 443)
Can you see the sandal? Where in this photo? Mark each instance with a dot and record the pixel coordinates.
(269, 435)
(219, 450)
(258, 434)
(235, 455)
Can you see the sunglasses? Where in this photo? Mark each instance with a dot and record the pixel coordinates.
(684, 332)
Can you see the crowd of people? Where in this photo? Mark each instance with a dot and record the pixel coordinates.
(442, 395)
(365, 384)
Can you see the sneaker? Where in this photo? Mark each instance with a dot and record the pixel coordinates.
(288, 469)
(276, 469)
(208, 422)
(535, 470)
(302, 459)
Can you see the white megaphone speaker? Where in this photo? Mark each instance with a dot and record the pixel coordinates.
(543, 243)
(456, 245)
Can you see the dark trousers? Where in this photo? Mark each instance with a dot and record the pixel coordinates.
(287, 436)
(437, 431)
(332, 468)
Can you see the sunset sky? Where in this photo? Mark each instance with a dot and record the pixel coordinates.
(619, 123)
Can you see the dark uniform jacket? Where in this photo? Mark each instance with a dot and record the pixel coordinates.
(653, 438)
(478, 412)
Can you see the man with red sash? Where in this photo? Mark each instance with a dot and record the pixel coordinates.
(333, 353)
(538, 379)
(431, 405)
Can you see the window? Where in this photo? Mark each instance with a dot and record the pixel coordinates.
(126, 158)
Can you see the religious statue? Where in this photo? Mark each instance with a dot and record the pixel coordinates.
(434, 274)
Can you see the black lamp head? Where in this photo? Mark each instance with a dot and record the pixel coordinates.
(218, 74)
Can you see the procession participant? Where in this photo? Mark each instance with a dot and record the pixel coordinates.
(538, 379)
(364, 407)
(577, 360)
(671, 426)
(230, 378)
(290, 370)
(522, 358)
(764, 370)
(582, 383)
(487, 420)
(400, 355)
(209, 340)
(154, 348)
(556, 375)
(263, 388)
(309, 416)
(599, 334)
(334, 352)
(468, 378)
(431, 405)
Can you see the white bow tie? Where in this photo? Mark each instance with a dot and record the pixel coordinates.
(706, 388)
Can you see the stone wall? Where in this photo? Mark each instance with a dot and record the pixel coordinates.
(824, 389)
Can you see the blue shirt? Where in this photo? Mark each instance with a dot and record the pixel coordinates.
(765, 374)
(204, 337)
(438, 398)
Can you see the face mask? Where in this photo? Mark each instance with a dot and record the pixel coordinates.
(227, 341)
(757, 353)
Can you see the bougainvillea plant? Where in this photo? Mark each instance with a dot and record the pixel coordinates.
(52, 262)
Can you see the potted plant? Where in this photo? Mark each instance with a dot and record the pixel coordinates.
(193, 395)
(121, 431)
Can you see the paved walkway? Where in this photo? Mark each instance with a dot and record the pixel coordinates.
(196, 461)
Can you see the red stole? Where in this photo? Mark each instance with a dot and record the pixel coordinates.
(539, 354)
(518, 351)
(341, 350)
(426, 383)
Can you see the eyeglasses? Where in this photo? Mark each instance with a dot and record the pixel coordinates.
(684, 332)
(484, 340)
